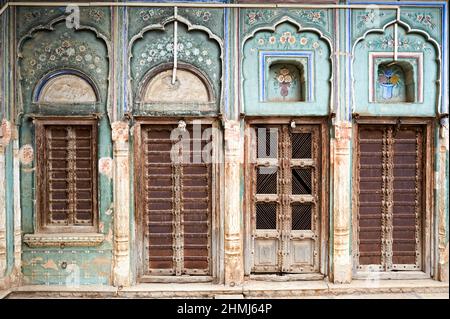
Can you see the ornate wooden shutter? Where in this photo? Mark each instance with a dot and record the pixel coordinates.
(390, 174)
(177, 201)
(67, 179)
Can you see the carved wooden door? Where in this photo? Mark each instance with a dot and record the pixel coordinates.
(285, 186)
(390, 197)
(176, 200)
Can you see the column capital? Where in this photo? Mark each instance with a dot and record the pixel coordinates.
(120, 131)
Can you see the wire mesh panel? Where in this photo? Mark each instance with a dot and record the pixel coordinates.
(389, 197)
(301, 217)
(177, 199)
(285, 208)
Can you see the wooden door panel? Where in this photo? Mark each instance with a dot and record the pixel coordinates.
(285, 199)
(390, 166)
(177, 188)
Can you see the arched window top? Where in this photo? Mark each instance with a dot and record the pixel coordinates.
(190, 87)
(66, 88)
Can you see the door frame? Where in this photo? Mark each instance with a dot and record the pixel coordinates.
(323, 228)
(427, 193)
(217, 220)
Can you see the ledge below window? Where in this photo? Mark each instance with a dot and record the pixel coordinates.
(63, 240)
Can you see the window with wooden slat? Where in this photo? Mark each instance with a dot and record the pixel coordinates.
(66, 180)
(176, 199)
(390, 197)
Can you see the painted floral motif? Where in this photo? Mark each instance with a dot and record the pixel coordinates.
(425, 19)
(287, 40)
(147, 14)
(95, 14)
(253, 17)
(36, 14)
(369, 18)
(312, 16)
(202, 14)
(66, 50)
(259, 16)
(283, 80)
(190, 50)
(406, 43)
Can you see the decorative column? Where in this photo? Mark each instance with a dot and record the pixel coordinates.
(234, 266)
(340, 161)
(5, 138)
(2, 212)
(17, 210)
(121, 181)
(442, 198)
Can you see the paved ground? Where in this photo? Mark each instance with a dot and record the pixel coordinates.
(357, 289)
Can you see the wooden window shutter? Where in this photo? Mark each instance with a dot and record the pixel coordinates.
(67, 191)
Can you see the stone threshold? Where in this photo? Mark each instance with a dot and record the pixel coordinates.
(250, 289)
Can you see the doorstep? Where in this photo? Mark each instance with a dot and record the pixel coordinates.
(250, 289)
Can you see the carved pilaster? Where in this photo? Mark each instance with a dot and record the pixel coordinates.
(340, 158)
(442, 198)
(234, 266)
(2, 212)
(17, 209)
(121, 182)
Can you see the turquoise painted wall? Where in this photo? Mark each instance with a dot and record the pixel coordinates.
(332, 46)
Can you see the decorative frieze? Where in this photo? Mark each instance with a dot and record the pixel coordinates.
(63, 240)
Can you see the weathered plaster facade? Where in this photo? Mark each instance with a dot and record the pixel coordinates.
(327, 67)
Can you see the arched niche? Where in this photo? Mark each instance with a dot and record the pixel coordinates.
(191, 91)
(401, 84)
(305, 53)
(287, 82)
(66, 87)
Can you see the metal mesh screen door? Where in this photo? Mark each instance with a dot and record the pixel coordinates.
(285, 184)
(177, 200)
(390, 197)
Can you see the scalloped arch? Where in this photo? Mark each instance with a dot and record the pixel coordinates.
(50, 26)
(408, 30)
(300, 28)
(162, 27)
